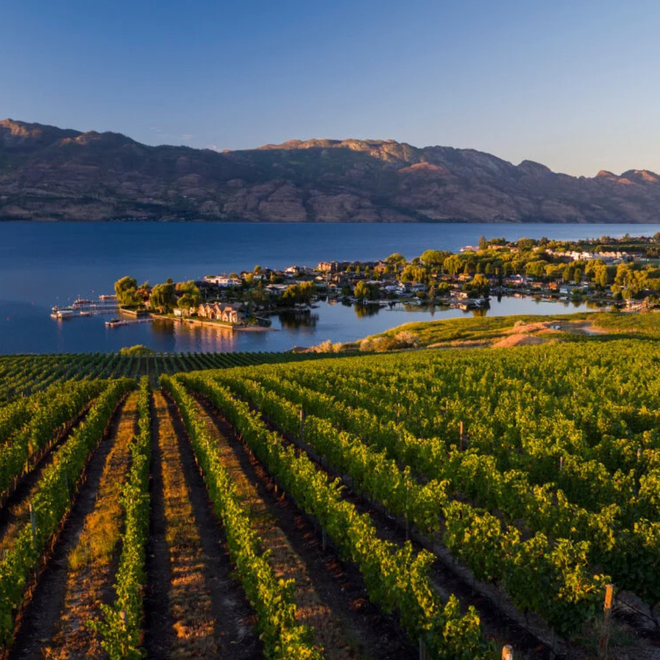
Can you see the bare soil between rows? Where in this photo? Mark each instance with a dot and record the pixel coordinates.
(340, 585)
(38, 622)
(234, 631)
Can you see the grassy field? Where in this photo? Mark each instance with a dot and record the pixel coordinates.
(490, 329)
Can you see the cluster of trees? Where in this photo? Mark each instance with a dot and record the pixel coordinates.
(532, 258)
(129, 294)
(299, 293)
(162, 297)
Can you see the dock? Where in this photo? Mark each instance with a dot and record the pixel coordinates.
(118, 323)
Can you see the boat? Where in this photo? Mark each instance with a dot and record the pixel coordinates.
(85, 313)
(79, 302)
(115, 323)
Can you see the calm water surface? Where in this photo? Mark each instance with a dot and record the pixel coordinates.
(42, 264)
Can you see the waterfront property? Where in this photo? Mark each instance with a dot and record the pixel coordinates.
(218, 312)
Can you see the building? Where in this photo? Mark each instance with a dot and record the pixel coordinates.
(328, 267)
(220, 312)
(223, 281)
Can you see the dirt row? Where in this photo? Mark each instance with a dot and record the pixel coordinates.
(629, 640)
(330, 596)
(46, 616)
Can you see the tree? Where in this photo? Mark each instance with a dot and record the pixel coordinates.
(434, 259)
(601, 278)
(190, 297)
(483, 243)
(138, 349)
(525, 243)
(479, 285)
(126, 289)
(452, 264)
(396, 258)
(624, 275)
(535, 268)
(300, 293)
(361, 290)
(162, 297)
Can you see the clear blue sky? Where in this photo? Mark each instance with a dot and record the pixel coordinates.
(572, 84)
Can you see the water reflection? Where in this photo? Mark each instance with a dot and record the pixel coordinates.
(24, 328)
(363, 311)
(299, 319)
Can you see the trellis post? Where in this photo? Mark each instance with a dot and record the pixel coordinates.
(607, 616)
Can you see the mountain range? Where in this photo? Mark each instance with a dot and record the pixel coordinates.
(49, 173)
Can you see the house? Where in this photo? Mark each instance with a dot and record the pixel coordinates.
(220, 312)
(328, 267)
(276, 289)
(223, 281)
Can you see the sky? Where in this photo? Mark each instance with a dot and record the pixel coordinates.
(574, 84)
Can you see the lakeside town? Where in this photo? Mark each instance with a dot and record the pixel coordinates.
(622, 273)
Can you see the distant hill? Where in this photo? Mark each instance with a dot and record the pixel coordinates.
(56, 174)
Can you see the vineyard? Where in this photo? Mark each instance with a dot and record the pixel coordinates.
(424, 504)
(21, 375)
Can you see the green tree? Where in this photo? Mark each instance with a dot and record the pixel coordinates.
(396, 258)
(162, 297)
(480, 285)
(299, 293)
(361, 290)
(190, 296)
(452, 264)
(434, 259)
(624, 275)
(126, 291)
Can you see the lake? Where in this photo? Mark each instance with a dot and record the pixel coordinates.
(43, 264)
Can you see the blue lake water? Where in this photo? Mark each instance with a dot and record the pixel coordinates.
(42, 264)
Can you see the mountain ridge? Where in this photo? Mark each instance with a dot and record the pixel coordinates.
(52, 173)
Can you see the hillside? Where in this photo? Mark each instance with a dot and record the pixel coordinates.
(55, 174)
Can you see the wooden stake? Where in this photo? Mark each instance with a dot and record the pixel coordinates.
(607, 616)
(423, 653)
(33, 524)
(301, 415)
(507, 652)
(561, 463)
(461, 437)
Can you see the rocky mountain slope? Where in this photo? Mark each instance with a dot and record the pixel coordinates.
(54, 174)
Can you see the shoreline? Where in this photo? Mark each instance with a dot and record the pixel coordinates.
(214, 324)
